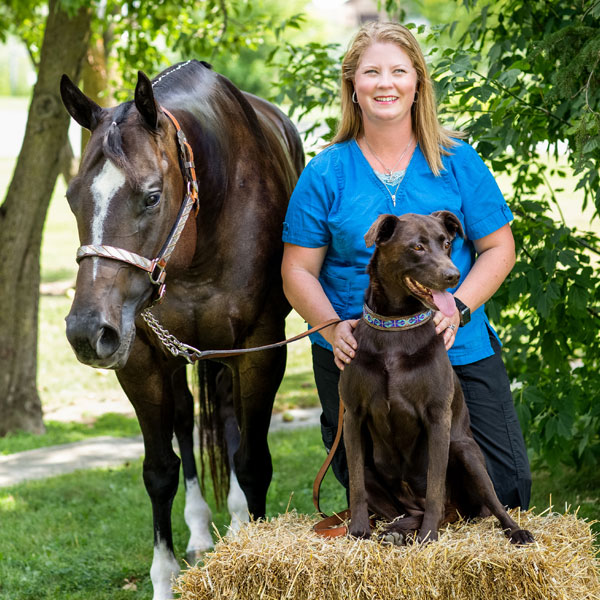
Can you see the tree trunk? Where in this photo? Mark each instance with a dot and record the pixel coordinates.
(22, 217)
(95, 76)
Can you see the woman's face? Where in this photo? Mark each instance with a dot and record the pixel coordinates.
(385, 83)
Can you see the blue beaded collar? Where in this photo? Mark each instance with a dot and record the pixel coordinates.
(394, 323)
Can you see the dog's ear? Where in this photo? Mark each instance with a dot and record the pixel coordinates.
(381, 230)
(450, 222)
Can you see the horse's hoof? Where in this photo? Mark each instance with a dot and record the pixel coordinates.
(521, 537)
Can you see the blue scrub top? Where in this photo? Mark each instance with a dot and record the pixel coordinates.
(338, 197)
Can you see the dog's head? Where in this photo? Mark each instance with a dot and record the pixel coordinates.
(412, 255)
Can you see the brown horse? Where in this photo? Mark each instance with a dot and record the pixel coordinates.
(224, 287)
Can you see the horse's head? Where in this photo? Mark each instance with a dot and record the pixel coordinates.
(126, 197)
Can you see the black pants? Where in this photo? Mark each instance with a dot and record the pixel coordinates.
(494, 422)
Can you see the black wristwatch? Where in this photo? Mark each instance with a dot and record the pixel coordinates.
(464, 311)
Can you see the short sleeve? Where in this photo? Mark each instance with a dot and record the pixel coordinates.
(306, 221)
(484, 206)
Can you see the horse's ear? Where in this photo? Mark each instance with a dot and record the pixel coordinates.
(450, 222)
(144, 101)
(83, 109)
(381, 230)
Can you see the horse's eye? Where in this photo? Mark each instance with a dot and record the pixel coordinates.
(152, 199)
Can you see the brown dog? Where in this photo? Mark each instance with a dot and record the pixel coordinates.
(406, 428)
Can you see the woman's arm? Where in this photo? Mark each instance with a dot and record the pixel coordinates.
(300, 270)
(495, 259)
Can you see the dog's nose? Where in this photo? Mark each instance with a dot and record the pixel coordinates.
(451, 276)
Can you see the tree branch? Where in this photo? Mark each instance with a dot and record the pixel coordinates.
(223, 29)
(519, 99)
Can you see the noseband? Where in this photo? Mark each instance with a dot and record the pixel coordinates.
(156, 267)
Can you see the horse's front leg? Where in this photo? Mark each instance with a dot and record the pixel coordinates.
(148, 387)
(197, 512)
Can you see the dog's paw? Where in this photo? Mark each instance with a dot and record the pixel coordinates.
(426, 537)
(359, 532)
(520, 537)
(393, 538)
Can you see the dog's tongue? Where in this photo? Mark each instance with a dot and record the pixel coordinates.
(445, 302)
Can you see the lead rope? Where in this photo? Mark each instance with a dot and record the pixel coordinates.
(335, 525)
(191, 354)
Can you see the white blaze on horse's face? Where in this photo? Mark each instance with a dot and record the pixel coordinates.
(104, 187)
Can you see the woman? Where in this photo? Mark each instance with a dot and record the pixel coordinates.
(391, 155)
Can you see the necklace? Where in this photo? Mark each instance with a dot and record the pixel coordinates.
(388, 178)
(392, 196)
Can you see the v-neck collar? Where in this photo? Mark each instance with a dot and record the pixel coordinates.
(400, 193)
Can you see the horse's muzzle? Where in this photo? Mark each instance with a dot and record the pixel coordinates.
(95, 342)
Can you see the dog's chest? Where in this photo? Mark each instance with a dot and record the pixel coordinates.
(405, 391)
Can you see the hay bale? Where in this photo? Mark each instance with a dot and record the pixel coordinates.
(284, 559)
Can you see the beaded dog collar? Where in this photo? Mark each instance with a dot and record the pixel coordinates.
(394, 323)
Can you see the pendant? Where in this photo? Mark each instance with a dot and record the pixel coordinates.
(394, 199)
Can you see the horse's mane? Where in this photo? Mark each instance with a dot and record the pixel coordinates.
(178, 76)
(186, 84)
(189, 78)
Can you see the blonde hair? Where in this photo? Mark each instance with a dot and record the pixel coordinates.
(434, 139)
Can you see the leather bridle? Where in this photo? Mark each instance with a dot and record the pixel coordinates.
(156, 267)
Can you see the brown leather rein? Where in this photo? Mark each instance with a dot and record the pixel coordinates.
(333, 526)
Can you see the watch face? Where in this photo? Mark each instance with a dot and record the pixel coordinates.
(465, 315)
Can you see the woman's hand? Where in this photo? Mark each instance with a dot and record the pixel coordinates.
(447, 326)
(341, 337)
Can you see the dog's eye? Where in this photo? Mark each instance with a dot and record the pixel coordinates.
(447, 244)
(418, 247)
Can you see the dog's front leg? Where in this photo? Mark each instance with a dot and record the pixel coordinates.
(438, 444)
(355, 453)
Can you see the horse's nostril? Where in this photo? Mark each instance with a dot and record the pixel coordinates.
(108, 342)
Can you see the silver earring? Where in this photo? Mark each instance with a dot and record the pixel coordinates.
(354, 98)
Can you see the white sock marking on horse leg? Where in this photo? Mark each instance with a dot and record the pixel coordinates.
(198, 517)
(105, 185)
(164, 568)
(237, 505)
